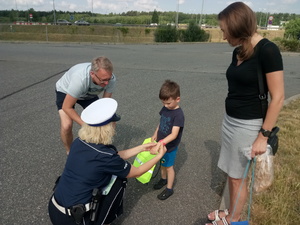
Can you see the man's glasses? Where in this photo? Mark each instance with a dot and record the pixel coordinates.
(102, 81)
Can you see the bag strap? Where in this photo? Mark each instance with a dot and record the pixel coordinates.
(241, 186)
(262, 92)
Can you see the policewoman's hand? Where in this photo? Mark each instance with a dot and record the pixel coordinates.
(148, 147)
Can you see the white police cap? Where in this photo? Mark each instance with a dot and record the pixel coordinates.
(100, 112)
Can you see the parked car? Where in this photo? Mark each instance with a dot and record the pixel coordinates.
(63, 22)
(153, 25)
(81, 23)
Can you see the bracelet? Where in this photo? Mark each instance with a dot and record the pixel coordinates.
(162, 141)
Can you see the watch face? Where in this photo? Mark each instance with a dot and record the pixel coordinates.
(265, 133)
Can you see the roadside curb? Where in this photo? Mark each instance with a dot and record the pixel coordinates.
(225, 201)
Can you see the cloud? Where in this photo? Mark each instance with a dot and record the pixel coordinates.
(68, 6)
(289, 1)
(30, 3)
(145, 5)
(271, 3)
(250, 4)
(118, 6)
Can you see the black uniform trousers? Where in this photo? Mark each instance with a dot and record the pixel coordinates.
(111, 207)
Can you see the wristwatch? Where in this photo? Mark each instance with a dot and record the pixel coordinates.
(265, 133)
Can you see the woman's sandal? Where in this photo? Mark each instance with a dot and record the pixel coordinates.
(217, 215)
(223, 220)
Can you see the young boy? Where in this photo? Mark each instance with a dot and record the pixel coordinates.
(168, 133)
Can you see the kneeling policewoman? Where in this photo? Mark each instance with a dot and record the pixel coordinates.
(91, 187)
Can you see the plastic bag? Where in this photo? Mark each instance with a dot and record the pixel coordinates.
(246, 151)
(264, 171)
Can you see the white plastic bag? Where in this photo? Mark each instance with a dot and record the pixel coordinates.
(264, 171)
(246, 151)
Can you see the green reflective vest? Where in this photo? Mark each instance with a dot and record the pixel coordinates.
(142, 158)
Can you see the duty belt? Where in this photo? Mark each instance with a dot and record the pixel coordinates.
(66, 210)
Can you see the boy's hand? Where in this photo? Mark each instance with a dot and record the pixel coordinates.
(153, 138)
(154, 149)
(162, 149)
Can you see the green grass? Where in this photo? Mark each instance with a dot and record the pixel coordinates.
(92, 34)
(281, 203)
(97, 34)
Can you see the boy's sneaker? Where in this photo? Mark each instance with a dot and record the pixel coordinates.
(160, 184)
(165, 194)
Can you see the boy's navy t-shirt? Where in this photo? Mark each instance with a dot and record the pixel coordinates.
(168, 119)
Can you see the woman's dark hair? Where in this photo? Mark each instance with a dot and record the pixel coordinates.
(241, 24)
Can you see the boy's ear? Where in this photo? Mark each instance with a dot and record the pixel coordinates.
(178, 99)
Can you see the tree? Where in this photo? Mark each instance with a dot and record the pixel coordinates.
(292, 29)
(13, 15)
(193, 33)
(155, 18)
(166, 34)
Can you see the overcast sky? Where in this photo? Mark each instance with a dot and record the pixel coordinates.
(119, 6)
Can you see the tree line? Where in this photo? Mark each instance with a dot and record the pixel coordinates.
(131, 17)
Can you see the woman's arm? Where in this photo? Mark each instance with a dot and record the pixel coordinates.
(276, 89)
(126, 154)
(275, 83)
(138, 171)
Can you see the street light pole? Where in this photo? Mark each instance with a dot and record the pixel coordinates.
(17, 10)
(200, 20)
(260, 19)
(176, 21)
(54, 13)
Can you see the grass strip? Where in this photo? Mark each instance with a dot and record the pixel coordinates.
(281, 203)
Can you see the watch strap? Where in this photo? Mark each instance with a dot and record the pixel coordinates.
(265, 133)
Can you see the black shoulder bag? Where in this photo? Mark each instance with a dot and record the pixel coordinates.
(273, 138)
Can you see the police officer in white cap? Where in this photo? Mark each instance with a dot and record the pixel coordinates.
(90, 189)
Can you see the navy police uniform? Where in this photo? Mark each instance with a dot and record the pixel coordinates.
(88, 166)
(77, 197)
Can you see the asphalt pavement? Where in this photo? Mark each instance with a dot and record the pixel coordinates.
(32, 155)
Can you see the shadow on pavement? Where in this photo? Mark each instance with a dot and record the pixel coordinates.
(218, 177)
(135, 190)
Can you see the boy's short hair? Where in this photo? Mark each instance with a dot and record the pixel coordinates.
(169, 89)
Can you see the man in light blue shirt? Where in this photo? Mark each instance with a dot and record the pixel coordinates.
(82, 84)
